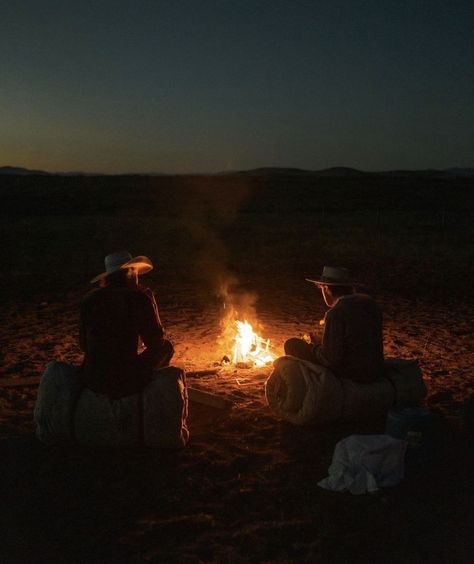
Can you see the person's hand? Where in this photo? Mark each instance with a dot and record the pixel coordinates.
(148, 292)
(315, 338)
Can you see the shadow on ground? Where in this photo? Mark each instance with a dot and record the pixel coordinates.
(76, 505)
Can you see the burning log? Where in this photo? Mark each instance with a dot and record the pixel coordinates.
(249, 348)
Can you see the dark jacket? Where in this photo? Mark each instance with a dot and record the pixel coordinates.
(352, 344)
(113, 319)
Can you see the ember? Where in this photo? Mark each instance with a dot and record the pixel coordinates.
(250, 348)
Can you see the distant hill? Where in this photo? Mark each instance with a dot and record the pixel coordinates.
(460, 171)
(340, 171)
(347, 172)
(288, 171)
(270, 171)
(335, 172)
(20, 171)
(430, 172)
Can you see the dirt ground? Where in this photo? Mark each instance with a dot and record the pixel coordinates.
(245, 488)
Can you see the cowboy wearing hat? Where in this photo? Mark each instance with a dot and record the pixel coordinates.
(352, 341)
(116, 318)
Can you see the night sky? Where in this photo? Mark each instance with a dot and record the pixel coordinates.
(203, 86)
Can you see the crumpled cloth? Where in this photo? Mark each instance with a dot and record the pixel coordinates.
(365, 463)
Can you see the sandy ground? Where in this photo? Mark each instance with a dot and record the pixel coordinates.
(245, 489)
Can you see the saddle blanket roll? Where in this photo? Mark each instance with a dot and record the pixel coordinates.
(66, 414)
(302, 392)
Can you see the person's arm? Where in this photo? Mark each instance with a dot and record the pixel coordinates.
(330, 352)
(317, 335)
(151, 329)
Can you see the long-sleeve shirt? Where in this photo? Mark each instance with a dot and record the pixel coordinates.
(113, 319)
(352, 342)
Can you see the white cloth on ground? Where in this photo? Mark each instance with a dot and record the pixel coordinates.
(365, 463)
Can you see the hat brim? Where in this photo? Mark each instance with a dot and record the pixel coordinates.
(141, 263)
(322, 282)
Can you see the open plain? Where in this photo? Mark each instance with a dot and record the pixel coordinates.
(245, 489)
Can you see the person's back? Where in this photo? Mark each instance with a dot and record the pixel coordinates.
(352, 340)
(113, 320)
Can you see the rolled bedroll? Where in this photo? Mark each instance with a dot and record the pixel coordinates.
(65, 414)
(302, 392)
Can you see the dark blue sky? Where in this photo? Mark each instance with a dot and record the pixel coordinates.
(183, 86)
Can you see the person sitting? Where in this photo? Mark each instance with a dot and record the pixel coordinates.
(352, 341)
(116, 320)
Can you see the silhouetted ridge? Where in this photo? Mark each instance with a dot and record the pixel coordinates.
(334, 172)
(20, 171)
(271, 171)
(340, 171)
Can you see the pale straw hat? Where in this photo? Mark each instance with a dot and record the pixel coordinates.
(121, 260)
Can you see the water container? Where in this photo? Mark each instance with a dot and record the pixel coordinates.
(412, 424)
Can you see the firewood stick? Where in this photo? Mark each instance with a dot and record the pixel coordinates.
(206, 398)
(208, 372)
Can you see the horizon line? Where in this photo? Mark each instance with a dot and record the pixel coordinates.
(34, 171)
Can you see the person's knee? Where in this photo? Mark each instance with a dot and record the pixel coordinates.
(163, 355)
(168, 349)
(166, 353)
(298, 348)
(292, 345)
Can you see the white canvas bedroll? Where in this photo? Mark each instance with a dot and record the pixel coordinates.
(302, 392)
(156, 417)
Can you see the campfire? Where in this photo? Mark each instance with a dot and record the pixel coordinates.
(239, 339)
(249, 348)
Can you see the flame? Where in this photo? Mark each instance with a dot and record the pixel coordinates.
(250, 347)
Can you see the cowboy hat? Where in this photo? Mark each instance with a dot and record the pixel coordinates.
(123, 259)
(332, 276)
